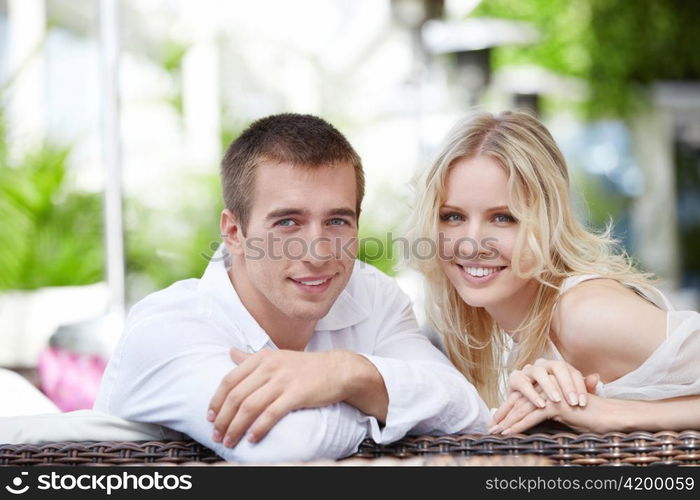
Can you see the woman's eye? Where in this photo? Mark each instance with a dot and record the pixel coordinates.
(285, 223)
(503, 218)
(451, 217)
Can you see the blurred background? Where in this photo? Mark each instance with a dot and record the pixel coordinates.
(114, 116)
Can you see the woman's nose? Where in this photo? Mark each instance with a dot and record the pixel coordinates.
(472, 244)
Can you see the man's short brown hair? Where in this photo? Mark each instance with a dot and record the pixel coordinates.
(301, 140)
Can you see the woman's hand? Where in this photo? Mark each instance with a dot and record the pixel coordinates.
(545, 380)
(602, 415)
(567, 381)
(599, 415)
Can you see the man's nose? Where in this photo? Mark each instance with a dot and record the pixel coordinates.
(319, 245)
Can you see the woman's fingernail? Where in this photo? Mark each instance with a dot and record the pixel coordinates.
(573, 399)
(216, 436)
(556, 397)
(541, 403)
(228, 442)
(252, 438)
(506, 432)
(211, 416)
(494, 429)
(582, 400)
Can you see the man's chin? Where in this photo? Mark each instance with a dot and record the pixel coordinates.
(309, 314)
(304, 310)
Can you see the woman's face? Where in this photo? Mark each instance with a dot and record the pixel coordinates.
(478, 234)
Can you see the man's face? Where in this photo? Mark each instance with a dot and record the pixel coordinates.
(300, 243)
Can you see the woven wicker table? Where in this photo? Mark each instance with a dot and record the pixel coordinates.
(561, 448)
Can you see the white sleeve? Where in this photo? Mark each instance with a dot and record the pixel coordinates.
(427, 395)
(167, 375)
(671, 371)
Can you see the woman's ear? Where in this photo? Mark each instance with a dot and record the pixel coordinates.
(231, 232)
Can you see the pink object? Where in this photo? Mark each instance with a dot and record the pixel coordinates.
(70, 379)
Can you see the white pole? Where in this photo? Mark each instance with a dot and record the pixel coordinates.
(114, 236)
(200, 84)
(26, 100)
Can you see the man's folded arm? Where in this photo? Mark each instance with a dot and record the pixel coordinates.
(427, 395)
(171, 385)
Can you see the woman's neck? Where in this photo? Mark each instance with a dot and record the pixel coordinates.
(509, 314)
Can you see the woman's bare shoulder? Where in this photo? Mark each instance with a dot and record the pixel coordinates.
(601, 326)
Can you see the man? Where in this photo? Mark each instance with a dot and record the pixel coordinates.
(287, 348)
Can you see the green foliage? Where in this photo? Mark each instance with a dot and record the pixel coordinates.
(563, 24)
(50, 236)
(231, 126)
(171, 55)
(175, 100)
(375, 248)
(688, 182)
(382, 228)
(228, 134)
(164, 246)
(600, 204)
(636, 43)
(617, 46)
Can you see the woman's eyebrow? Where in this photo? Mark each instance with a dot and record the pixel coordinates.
(498, 208)
(488, 210)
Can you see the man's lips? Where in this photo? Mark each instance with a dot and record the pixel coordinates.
(313, 280)
(313, 284)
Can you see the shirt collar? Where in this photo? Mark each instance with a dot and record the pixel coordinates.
(217, 285)
(345, 312)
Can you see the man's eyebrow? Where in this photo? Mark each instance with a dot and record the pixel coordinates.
(346, 212)
(285, 212)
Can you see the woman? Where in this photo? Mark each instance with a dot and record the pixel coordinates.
(521, 286)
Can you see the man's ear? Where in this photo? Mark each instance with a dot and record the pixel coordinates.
(231, 232)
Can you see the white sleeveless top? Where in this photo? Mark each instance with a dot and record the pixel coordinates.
(672, 370)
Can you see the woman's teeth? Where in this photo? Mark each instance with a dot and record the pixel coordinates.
(478, 272)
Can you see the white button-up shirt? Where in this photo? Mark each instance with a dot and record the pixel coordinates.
(175, 351)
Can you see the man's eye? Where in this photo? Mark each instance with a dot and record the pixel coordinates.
(285, 223)
(503, 218)
(338, 222)
(452, 217)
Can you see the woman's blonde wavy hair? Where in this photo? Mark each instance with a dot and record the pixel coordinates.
(556, 243)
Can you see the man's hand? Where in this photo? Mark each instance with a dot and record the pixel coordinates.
(267, 385)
